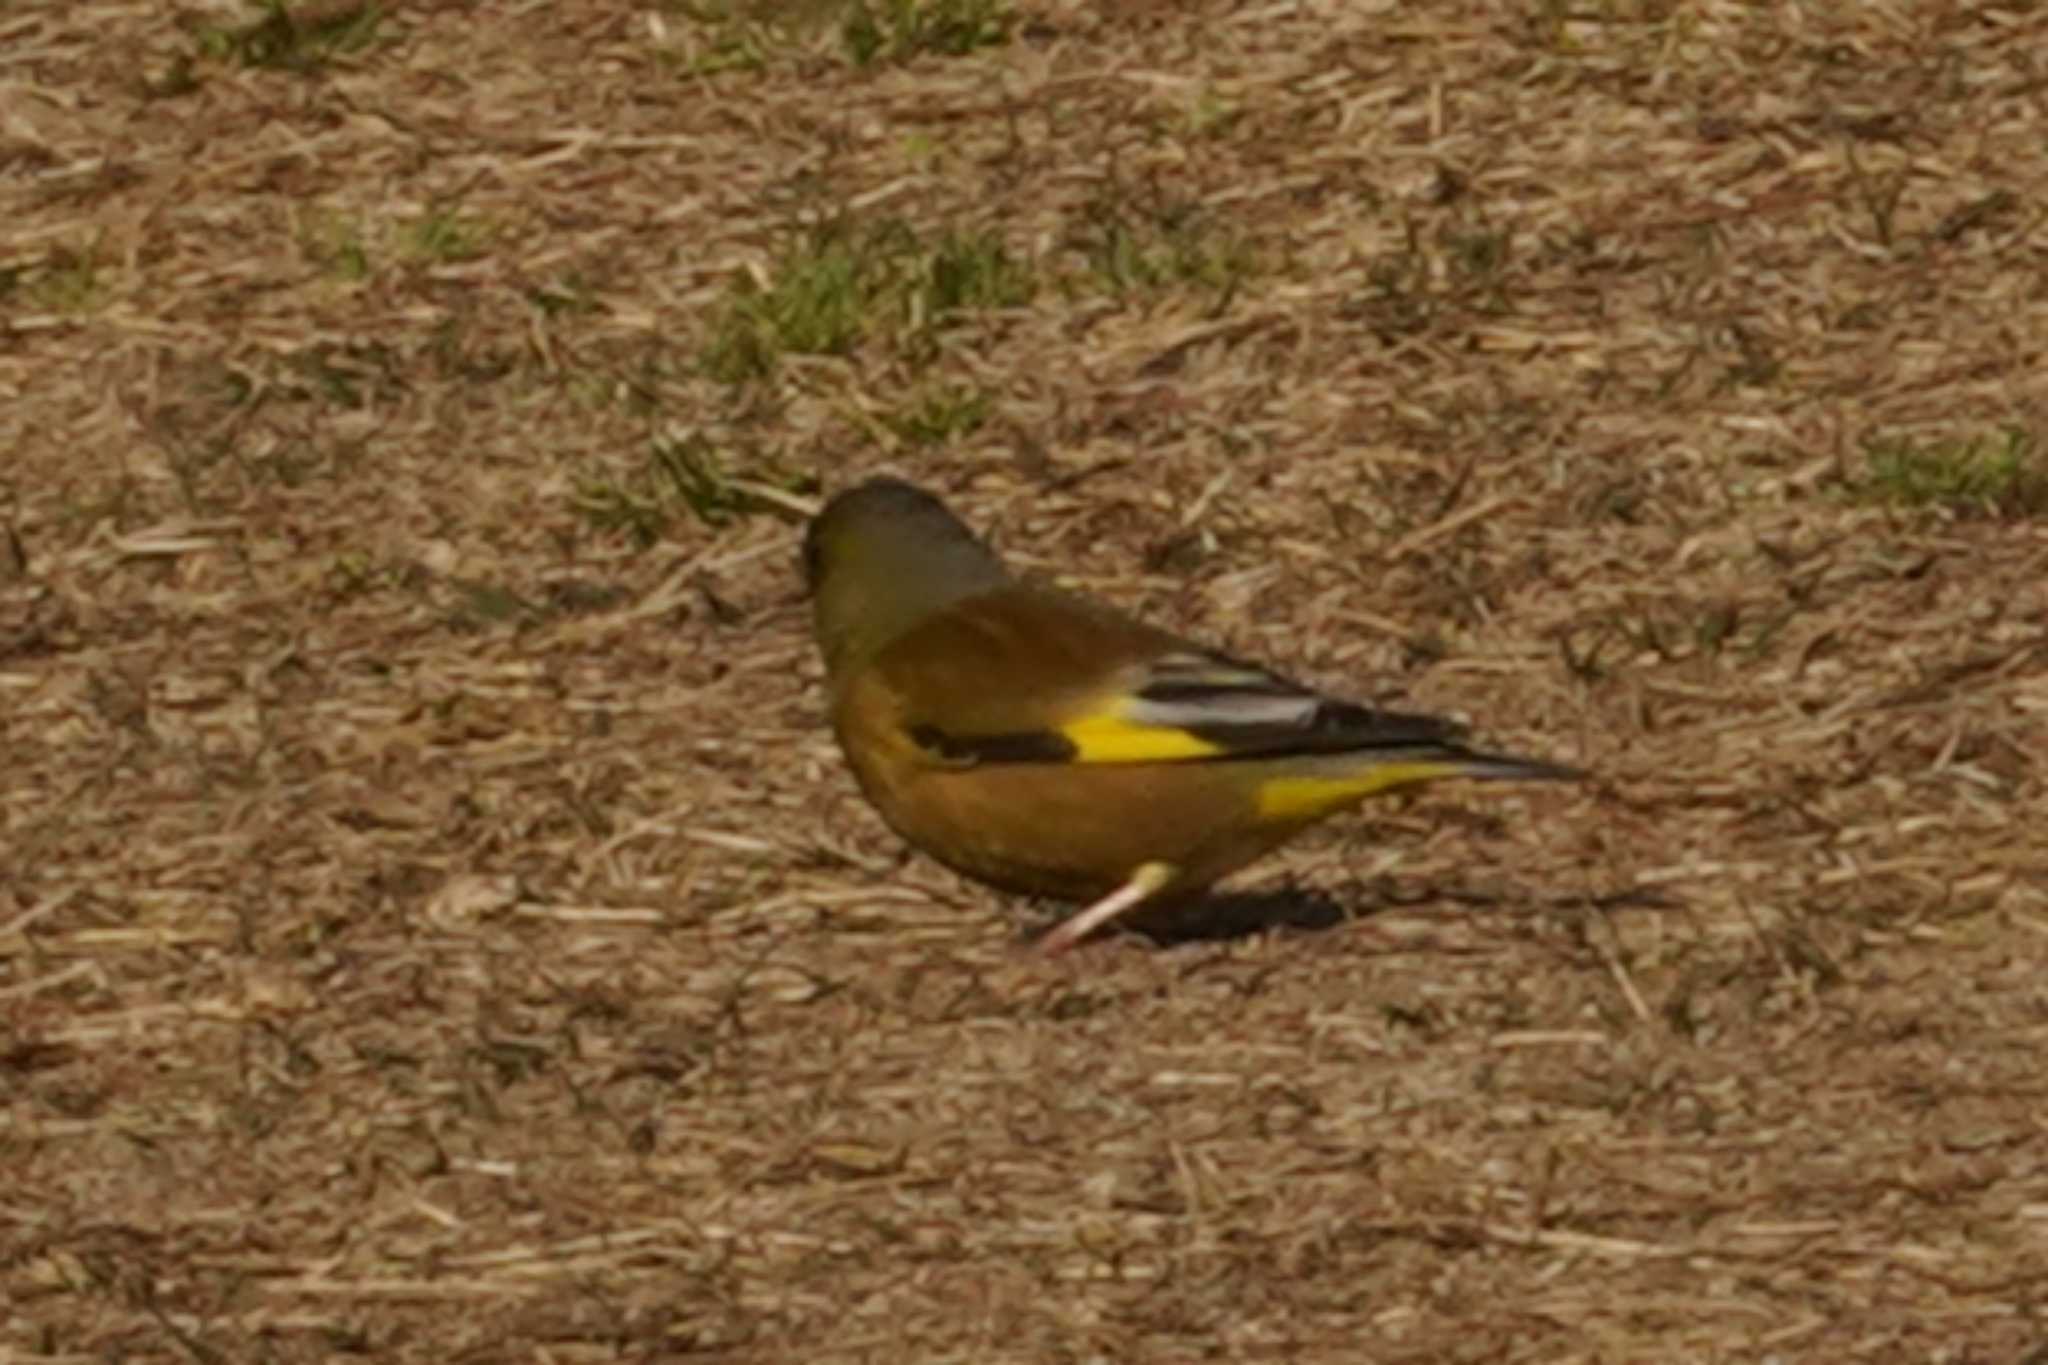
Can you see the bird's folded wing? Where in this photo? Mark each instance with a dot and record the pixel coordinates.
(1182, 706)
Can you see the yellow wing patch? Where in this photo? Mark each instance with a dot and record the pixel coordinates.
(1309, 798)
(1105, 737)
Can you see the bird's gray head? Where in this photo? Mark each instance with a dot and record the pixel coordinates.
(882, 556)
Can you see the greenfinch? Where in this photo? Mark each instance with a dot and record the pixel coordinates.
(1050, 746)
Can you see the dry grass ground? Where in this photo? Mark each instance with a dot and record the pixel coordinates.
(436, 926)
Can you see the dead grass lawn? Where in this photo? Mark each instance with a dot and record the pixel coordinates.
(435, 924)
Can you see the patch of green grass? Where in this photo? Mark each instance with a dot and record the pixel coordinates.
(1211, 115)
(938, 414)
(1477, 257)
(445, 235)
(348, 249)
(335, 243)
(968, 271)
(845, 282)
(686, 475)
(739, 35)
(68, 282)
(897, 30)
(300, 39)
(750, 35)
(1132, 246)
(823, 295)
(1881, 195)
(1478, 254)
(479, 606)
(2004, 475)
(690, 472)
(353, 574)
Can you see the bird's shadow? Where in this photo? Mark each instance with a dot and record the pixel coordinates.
(1224, 916)
(1220, 918)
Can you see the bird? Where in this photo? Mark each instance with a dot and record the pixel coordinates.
(1050, 746)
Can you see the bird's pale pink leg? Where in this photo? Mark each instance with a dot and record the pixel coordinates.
(1146, 881)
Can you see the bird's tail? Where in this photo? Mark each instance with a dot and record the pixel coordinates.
(1308, 788)
(1502, 768)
